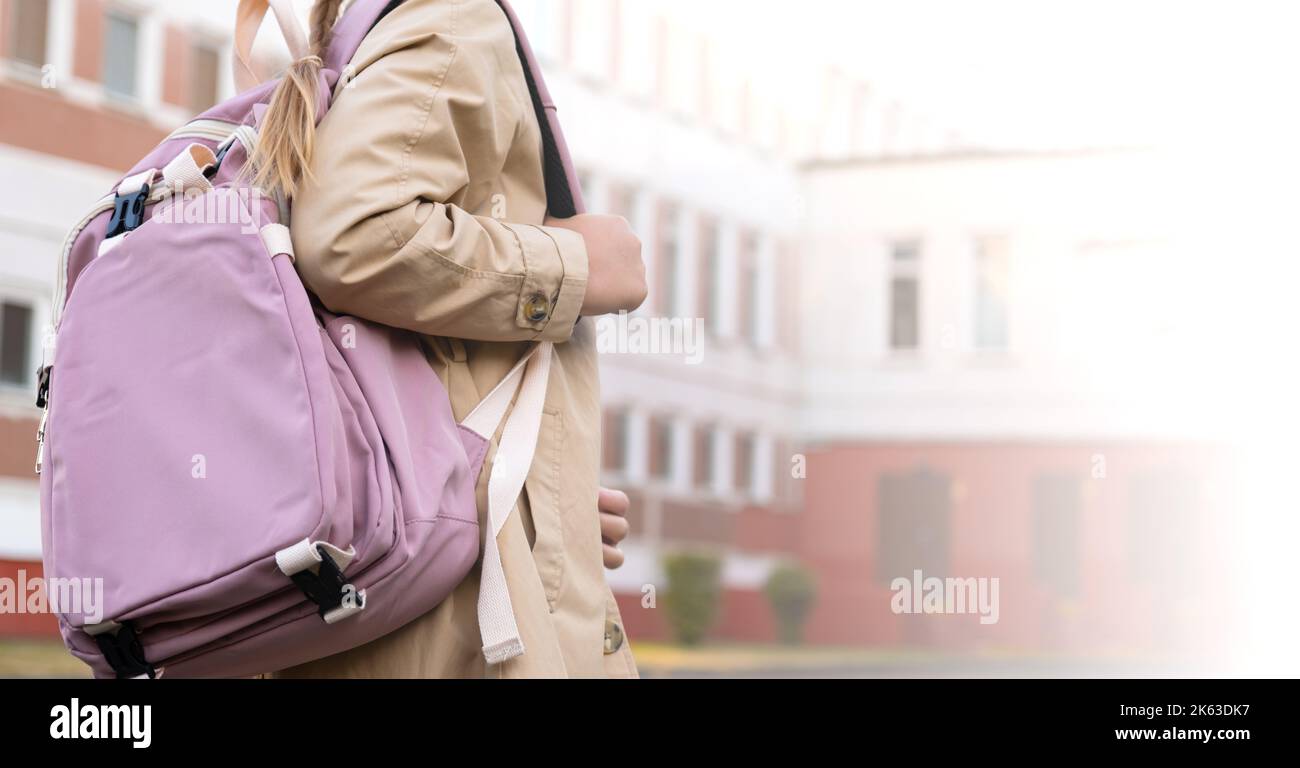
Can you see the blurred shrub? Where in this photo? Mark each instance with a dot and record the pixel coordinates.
(791, 590)
(694, 589)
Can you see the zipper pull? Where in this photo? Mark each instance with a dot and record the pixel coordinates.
(43, 386)
(40, 440)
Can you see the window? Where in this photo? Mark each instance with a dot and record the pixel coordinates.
(992, 264)
(785, 486)
(709, 275)
(661, 448)
(614, 432)
(121, 55)
(680, 64)
(905, 297)
(747, 298)
(703, 450)
(622, 202)
(205, 78)
(1057, 510)
(667, 262)
(546, 21)
(636, 50)
(16, 366)
(594, 26)
(790, 312)
(745, 463)
(914, 512)
(28, 26)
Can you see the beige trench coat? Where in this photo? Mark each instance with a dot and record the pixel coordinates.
(425, 213)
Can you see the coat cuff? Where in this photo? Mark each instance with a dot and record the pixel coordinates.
(555, 280)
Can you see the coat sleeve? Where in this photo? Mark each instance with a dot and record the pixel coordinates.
(377, 229)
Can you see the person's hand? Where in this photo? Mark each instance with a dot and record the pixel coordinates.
(613, 507)
(615, 272)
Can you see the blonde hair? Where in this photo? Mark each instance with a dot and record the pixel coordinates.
(287, 136)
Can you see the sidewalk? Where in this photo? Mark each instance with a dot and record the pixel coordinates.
(47, 659)
(762, 661)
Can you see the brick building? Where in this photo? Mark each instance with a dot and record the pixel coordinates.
(913, 324)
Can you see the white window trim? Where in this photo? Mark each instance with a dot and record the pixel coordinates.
(764, 310)
(724, 476)
(764, 463)
(20, 398)
(725, 292)
(981, 351)
(686, 304)
(636, 434)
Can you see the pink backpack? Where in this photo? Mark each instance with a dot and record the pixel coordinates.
(252, 482)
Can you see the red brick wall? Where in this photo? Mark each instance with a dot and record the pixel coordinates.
(18, 447)
(176, 75)
(88, 58)
(4, 28)
(743, 616)
(43, 121)
(991, 535)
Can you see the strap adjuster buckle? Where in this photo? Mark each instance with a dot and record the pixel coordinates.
(128, 212)
(329, 589)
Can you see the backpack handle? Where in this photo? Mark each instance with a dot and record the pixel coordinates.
(248, 20)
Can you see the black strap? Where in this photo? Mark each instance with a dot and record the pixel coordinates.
(124, 653)
(559, 197)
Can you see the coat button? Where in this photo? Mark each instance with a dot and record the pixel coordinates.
(613, 637)
(537, 308)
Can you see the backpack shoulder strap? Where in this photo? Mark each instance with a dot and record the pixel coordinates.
(563, 192)
(357, 21)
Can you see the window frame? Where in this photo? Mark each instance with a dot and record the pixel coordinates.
(620, 418)
(703, 454)
(1002, 245)
(24, 391)
(668, 257)
(136, 19)
(12, 37)
(744, 462)
(900, 271)
(659, 436)
(200, 46)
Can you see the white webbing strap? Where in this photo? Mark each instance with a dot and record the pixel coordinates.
(496, 616)
(278, 240)
(306, 556)
(187, 170)
(109, 244)
(133, 184)
(248, 20)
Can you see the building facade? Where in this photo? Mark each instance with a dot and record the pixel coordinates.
(89, 87)
(895, 356)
